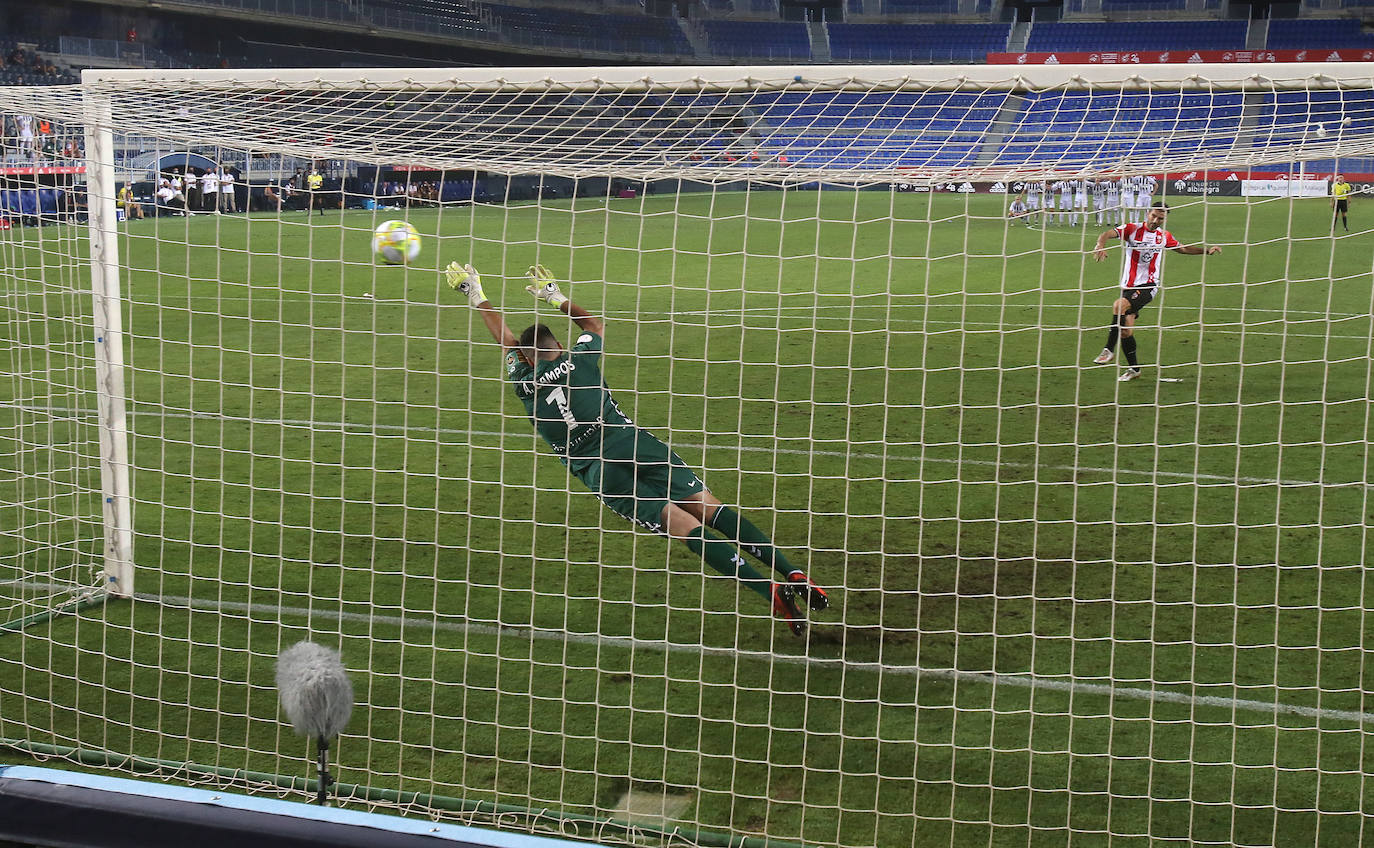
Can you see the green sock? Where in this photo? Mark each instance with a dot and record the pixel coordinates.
(722, 556)
(753, 540)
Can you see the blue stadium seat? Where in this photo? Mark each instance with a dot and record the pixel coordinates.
(1157, 35)
(1318, 34)
(920, 7)
(758, 39)
(1144, 5)
(569, 30)
(1294, 115)
(857, 130)
(916, 42)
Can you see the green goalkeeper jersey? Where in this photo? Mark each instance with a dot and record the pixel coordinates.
(568, 401)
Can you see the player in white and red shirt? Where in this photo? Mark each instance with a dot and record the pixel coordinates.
(1142, 263)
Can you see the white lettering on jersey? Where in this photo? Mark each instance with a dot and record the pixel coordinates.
(1143, 256)
(558, 372)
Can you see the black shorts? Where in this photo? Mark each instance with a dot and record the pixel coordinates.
(1342, 206)
(1137, 299)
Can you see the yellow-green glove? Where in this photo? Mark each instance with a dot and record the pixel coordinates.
(542, 286)
(465, 280)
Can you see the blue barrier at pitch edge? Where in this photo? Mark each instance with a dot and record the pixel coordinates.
(85, 809)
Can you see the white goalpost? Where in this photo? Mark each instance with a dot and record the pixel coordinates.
(1064, 607)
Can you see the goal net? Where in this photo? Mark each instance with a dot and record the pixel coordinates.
(1064, 605)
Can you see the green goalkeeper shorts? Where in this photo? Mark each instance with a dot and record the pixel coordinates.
(637, 476)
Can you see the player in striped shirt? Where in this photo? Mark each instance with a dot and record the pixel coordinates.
(1020, 211)
(1080, 202)
(1113, 192)
(1099, 190)
(1142, 264)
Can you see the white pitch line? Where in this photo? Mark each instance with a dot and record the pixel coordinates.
(804, 311)
(815, 315)
(1027, 681)
(346, 427)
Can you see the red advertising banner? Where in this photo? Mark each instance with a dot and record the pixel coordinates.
(1169, 57)
(1260, 175)
(40, 170)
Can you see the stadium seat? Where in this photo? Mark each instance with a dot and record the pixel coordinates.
(758, 39)
(1318, 34)
(916, 42)
(1158, 35)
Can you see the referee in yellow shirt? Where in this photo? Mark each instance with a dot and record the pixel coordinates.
(1340, 201)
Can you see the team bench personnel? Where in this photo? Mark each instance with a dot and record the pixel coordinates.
(1142, 264)
(636, 475)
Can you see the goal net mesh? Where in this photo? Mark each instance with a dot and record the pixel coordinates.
(1063, 607)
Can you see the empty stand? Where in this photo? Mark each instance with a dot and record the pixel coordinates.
(1318, 34)
(1076, 128)
(758, 39)
(916, 42)
(581, 31)
(1138, 35)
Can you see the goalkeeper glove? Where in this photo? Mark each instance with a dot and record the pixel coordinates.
(465, 280)
(542, 286)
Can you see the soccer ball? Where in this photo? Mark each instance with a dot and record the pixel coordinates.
(396, 243)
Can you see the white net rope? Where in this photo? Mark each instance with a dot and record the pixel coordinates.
(1064, 607)
(769, 127)
(50, 486)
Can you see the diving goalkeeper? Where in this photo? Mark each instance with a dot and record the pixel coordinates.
(635, 474)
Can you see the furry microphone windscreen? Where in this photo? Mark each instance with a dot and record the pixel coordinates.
(315, 690)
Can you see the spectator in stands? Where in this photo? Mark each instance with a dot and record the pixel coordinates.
(28, 144)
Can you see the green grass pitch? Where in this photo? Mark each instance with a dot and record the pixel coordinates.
(1060, 602)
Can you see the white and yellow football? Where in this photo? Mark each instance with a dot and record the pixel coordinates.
(396, 242)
